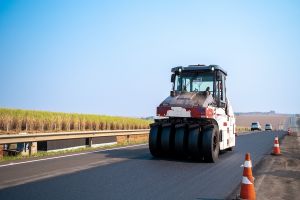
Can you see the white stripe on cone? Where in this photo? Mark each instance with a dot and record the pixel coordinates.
(247, 163)
(245, 180)
(276, 145)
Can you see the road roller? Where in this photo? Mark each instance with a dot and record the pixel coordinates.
(196, 120)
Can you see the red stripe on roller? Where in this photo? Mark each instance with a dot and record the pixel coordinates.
(162, 111)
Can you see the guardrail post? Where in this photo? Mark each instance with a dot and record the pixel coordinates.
(128, 139)
(32, 148)
(1, 151)
(89, 142)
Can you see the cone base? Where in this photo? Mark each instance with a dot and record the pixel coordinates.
(247, 192)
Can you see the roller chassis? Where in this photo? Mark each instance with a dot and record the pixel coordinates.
(191, 137)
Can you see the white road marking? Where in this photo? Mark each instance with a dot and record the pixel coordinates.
(71, 155)
(40, 176)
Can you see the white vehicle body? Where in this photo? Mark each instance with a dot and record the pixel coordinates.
(226, 124)
(268, 127)
(255, 126)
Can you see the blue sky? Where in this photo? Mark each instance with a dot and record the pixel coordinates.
(114, 57)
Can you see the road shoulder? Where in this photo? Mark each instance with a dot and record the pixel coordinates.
(278, 177)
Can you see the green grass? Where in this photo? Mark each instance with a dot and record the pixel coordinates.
(16, 120)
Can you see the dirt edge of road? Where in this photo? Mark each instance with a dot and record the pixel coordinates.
(278, 177)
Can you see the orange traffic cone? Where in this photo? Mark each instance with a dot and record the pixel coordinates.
(276, 149)
(247, 186)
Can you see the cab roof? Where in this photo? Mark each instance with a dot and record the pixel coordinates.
(199, 68)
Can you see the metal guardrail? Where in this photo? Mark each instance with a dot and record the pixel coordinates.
(38, 137)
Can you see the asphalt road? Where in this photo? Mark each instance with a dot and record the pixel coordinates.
(131, 173)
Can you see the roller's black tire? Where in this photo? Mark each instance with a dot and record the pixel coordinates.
(154, 141)
(194, 143)
(180, 142)
(211, 144)
(167, 139)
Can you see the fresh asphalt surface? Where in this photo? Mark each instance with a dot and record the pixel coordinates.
(132, 173)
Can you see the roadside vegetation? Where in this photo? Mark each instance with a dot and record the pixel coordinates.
(69, 151)
(240, 129)
(16, 120)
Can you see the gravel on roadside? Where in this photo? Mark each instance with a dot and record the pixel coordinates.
(278, 177)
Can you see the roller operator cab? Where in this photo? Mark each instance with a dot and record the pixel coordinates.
(196, 120)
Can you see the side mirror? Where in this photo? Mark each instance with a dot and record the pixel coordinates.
(227, 109)
(173, 77)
